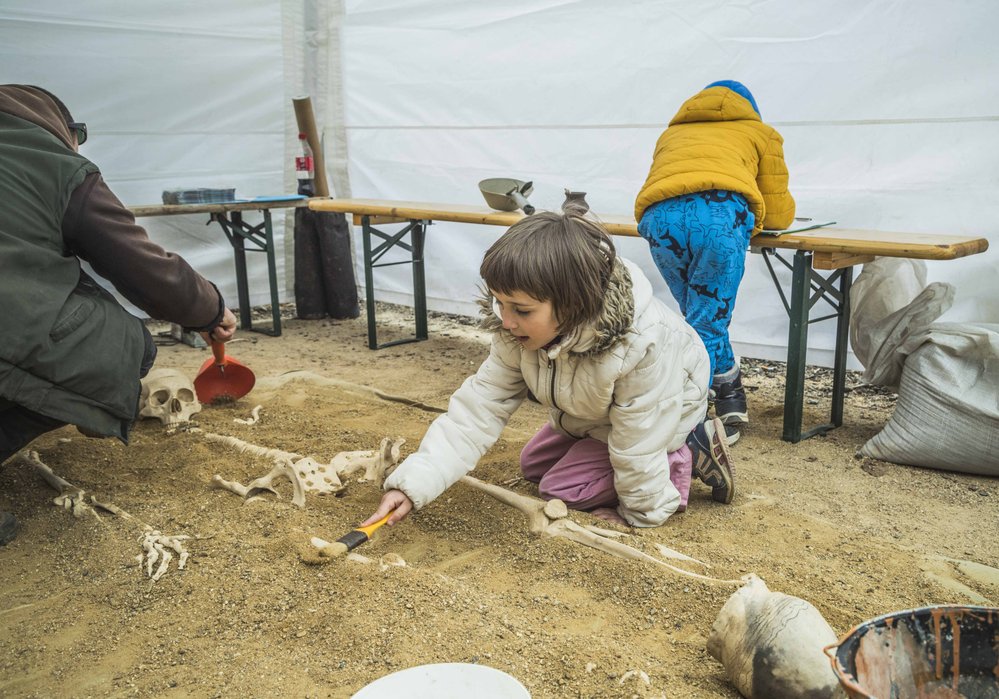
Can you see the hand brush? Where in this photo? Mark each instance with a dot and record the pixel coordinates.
(349, 541)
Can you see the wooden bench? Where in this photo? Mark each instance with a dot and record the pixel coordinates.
(834, 250)
(229, 216)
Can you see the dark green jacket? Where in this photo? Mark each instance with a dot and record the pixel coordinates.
(68, 350)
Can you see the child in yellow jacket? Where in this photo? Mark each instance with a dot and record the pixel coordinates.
(718, 177)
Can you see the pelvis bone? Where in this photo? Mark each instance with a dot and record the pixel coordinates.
(374, 462)
(168, 395)
(770, 645)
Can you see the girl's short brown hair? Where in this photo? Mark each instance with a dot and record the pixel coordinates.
(562, 258)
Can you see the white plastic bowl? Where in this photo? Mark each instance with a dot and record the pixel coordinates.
(445, 681)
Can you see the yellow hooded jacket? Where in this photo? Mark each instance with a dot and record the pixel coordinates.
(717, 141)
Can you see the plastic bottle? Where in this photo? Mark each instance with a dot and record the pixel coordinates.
(305, 168)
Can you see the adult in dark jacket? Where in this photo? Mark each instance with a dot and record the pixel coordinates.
(69, 352)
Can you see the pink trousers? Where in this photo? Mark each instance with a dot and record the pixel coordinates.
(579, 472)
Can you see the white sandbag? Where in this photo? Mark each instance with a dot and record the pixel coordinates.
(890, 314)
(947, 413)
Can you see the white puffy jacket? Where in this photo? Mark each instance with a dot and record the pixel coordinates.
(637, 378)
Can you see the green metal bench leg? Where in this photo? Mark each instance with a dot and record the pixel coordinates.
(842, 336)
(262, 237)
(239, 255)
(417, 231)
(272, 275)
(419, 281)
(369, 283)
(797, 344)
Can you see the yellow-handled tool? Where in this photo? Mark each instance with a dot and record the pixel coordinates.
(351, 540)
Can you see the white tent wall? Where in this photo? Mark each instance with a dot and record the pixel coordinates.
(888, 111)
(175, 95)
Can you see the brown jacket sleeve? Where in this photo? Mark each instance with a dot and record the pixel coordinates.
(98, 228)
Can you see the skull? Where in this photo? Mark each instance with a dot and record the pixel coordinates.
(168, 395)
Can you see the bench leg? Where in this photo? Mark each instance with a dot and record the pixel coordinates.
(416, 229)
(239, 257)
(369, 283)
(419, 236)
(842, 336)
(797, 344)
(272, 275)
(262, 237)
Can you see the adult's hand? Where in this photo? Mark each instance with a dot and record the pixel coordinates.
(224, 331)
(394, 501)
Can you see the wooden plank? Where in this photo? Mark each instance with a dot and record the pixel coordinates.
(842, 241)
(218, 208)
(375, 220)
(836, 260)
(924, 246)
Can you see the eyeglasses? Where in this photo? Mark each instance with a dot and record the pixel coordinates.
(81, 131)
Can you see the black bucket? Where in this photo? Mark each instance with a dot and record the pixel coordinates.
(938, 652)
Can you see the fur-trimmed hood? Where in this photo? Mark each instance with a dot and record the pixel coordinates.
(615, 321)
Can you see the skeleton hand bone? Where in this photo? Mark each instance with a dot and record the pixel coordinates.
(157, 547)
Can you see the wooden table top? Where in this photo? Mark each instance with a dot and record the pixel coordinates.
(831, 241)
(217, 208)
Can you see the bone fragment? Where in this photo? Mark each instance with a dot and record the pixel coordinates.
(541, 524)
(266, 482)
(639, 674)
(70, 498)
(672, 553)
(247, 448)
(283, 466)
(253, 419)
(158, 548)
(232, 486)
(771, 645)
(318, 478)
(610, 533)
(375, 463)
(555, 509)
(391, 560)
(165, 557)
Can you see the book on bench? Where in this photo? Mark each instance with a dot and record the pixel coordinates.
(800, 225)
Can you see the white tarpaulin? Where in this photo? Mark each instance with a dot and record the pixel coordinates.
(888, 110)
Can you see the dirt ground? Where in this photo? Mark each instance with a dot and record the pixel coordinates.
(246, 617)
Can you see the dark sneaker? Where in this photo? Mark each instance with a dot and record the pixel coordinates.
(711, 462)
(730, 401)
(8, 528)
(732, 434)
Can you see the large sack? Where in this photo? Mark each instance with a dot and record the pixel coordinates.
(947, 413)
(891, 310)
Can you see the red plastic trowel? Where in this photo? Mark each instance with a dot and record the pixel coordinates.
(221, 378)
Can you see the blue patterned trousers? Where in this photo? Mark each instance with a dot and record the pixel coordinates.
(699, 243)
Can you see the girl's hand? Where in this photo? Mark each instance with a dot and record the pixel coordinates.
(609, 514)
(392, 500)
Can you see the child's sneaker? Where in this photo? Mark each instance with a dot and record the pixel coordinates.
(730, 399)
(732, 434)
(711, 462)
(8, 528)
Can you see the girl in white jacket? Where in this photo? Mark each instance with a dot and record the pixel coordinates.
(624, 378)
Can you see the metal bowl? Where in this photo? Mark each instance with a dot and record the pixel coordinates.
(496, 191)
(937, 651)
